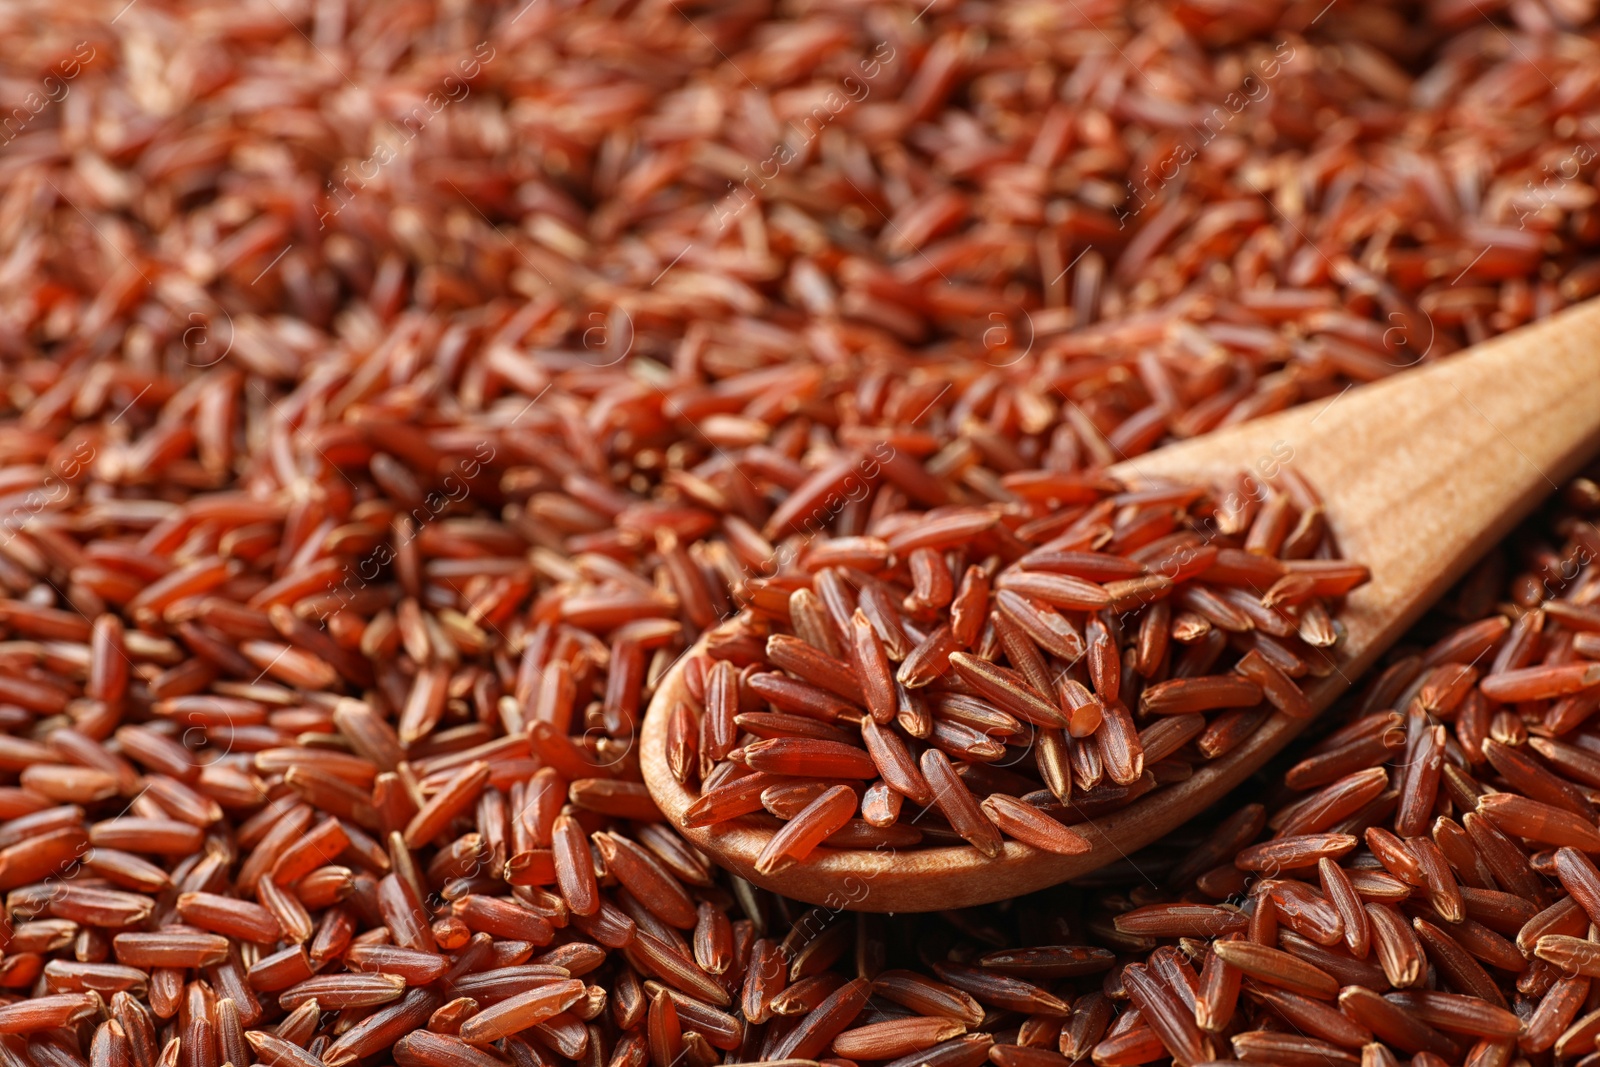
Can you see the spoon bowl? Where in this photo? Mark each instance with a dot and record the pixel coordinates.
(1419, 473)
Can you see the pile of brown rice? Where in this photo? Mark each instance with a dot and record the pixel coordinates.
(394, 391)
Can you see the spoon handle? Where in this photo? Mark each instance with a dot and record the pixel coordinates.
(1422, 472)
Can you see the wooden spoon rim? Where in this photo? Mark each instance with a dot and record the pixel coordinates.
(824, 877)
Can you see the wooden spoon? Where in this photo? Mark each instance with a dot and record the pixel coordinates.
(1421, 473)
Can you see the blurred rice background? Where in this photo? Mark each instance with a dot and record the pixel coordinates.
(1172, 216)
